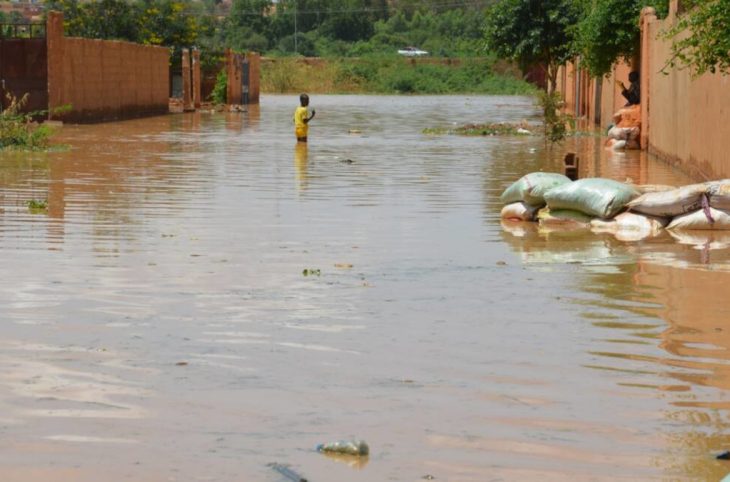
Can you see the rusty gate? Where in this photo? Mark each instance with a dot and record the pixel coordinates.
(24, 65)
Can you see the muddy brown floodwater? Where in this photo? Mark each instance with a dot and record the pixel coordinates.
(156, 323)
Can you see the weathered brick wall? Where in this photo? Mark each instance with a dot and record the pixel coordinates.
(24, 71)
(254, 70)
(104, 80)
(235, 74)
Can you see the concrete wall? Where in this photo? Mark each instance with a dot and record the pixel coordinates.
(104, 80)
(684, 120)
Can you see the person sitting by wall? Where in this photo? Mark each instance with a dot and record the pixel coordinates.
(633, 93)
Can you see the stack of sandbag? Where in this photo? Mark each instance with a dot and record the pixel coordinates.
(527, 195)
(623, 138)
(704, 206)
(595, 197)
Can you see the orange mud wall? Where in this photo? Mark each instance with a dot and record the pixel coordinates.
(688, 120)
(104, 80)
(684, 121)
(234, 71)
(578, 90)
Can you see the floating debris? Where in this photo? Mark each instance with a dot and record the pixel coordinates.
(358, 448)
(287, 472)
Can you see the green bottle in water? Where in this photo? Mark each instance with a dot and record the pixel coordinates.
(358, 448)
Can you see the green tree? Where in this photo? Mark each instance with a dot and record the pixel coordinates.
(351, 21)
(168, 22)
(533, 32)
(609, 31)
(104, 19)
(707, 47)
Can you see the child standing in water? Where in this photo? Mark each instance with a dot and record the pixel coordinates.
(301, 121)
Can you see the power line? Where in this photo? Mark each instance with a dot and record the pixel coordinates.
(431, 6)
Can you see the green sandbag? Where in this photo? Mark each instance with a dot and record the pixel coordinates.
(531, 188)
(593, 196)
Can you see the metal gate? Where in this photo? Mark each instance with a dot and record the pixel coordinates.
(245, 81)
(24, 65)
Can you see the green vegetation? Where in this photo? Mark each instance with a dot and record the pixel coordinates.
(548, 33)
(18, 130)
(220, 90)
(392, 75)
(38, 206)
(355, 28)
(177, 24)
(609, 31)
(707, 48)
(494, 129)
(533, 33)
(555, 122)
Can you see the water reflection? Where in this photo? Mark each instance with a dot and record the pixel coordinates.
(664, 292)
(301, 157)
(161, 302)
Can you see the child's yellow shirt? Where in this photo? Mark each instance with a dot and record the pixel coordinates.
(300, 127)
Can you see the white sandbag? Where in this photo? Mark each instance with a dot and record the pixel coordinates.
(623, 133)
(640, 222)
(519, 211)
(531, 188)
(698, 220)
(719, 194)
(670, 203)
(630, 226)
(596, 197)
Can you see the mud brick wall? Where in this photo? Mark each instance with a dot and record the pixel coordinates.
(104, 80)
(235, 75)
(254, 71)
(686, 118)
(24, 71)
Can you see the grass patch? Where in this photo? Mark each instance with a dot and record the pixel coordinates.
(493, 129)
(37, 206)
(391, 75)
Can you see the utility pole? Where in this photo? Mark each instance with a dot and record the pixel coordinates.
(296, 42)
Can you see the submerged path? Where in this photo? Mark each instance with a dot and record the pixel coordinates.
(204, 298)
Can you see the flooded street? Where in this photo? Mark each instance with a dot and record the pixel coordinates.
(204, 297)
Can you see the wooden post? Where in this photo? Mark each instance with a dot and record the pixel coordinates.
(571, 162)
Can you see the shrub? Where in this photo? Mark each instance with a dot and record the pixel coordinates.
(18, 130)
(220, 90)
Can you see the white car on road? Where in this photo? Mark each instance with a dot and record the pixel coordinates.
(412, 52)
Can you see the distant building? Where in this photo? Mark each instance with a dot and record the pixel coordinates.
(23, 10)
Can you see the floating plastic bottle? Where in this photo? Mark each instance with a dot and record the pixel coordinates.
(358, 448)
